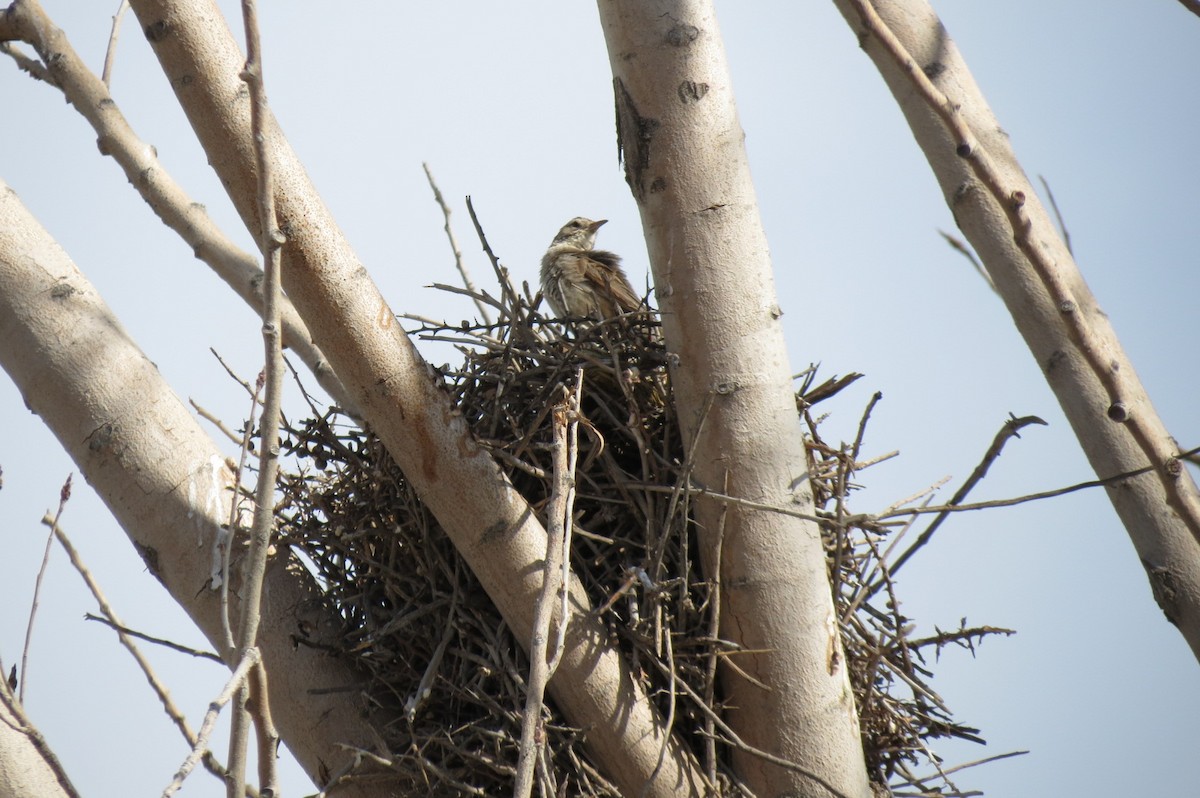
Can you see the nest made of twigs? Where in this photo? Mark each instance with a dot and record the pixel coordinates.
(440, 657)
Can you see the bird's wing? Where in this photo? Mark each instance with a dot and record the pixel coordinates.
(611, 280)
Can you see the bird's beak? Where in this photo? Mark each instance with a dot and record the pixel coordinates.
(596, 225)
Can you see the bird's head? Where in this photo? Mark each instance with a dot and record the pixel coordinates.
(579, 232)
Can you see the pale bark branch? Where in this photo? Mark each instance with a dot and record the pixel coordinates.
(165, 482)
(488, 520)
(459, 263)
(1069, 335)
(254, 566)
(62, 67)
(686, 165)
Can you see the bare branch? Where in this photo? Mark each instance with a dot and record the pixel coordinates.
(255, 564)
(63, 497)
(459, 263)
(111, 53)
(1011, 429)
(89, 95)
(125, 635)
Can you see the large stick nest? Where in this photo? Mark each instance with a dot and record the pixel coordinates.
(442, 660)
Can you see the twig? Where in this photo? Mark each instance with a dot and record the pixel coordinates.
(125, 631)
(111, 53)
(64, 496)
(1011, 429)
(236, 681)
(557, 523)
(213, 419)
(1062, 225)
(226, 539)
(252, 695)
(459, 263)
(514, 305)
(125, 635)
(574, 417)
(1032, 497)
(30, 66)
(960, 246)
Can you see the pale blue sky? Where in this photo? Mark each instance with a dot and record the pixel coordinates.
(512, 104)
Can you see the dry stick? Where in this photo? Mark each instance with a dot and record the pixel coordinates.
(731, 737)
(539, 671)
(1011, 429)
(574, 415)
(236, 680)
(65, 70)
(63, 496)
(226, 541)
(125, 637)
(506, 287)
(714, 633)
(135, 634)
(111, 53)
(459, 263)
(1032, 497)
(960, 246)
(1062, 225)
(1013, 203)
(252, 693)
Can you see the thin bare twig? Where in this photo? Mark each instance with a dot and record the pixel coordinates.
(125, 637)
(1011, 429)
(64, 496)
(558, 521)
(512, 301)
(111, 53)
(1062, 225)
(236, 681)
(960, 246)
(459, 263)
(251, 695)
(126, 631)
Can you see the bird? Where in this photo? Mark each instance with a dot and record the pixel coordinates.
(583, 282)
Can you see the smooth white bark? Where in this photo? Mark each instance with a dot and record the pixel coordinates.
(1051, 304)
(404, 403)
(686, 165)
(163, 479)
(28, 22)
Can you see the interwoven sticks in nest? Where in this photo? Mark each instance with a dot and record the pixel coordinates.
(440, 656)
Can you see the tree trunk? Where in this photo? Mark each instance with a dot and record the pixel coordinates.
(686, 165)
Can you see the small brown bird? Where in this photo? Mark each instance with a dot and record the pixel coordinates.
(584, 282)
